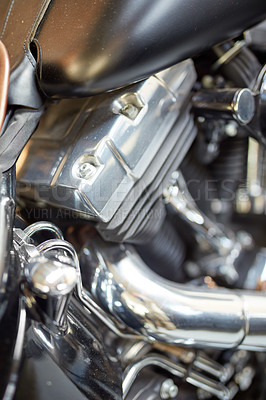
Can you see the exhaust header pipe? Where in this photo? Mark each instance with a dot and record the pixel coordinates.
(117, 279)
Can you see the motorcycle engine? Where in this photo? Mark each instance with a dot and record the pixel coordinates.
(108, 157)
(159, 187)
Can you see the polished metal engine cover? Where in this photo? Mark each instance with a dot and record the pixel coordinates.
(107, 157)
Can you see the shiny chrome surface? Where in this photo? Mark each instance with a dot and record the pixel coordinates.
(4, 81)
(82, 354)
(191, 375)
(221, 249)
(49, 284)
(50, 274)
(179, 198)
(256, 277)
(124, 287)
(43, 225)
(88, 155)
(251, 198)
(227, 56)
(235, 104)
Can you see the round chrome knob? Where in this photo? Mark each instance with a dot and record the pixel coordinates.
(49, 283)
(237, 104)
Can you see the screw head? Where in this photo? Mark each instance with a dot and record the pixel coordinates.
(86, 170)
(231, 129)
(130, 111)
(168, 389)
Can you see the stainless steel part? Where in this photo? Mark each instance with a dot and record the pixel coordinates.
(49, 284)
(82, 355)
(256, 277)
(205, 363)
(227, 246)
(152, 307)
(130, 351)
(235, 104)
(49, 280)
(43, 226)
(107, 157)
(168, 389)
(178, 196)
(191, 375)
(226, 57)
(251, 197)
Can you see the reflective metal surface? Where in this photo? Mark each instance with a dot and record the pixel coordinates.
(251, 198)
(191, 375)
(43, 225)
(237, 104)
(50, 274)
(178, 196)
(221, 248)
(158, 309)
(82, 355)
(106, 157)
(48, 287)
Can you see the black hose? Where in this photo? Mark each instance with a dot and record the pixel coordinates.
(165, 253)
(229, 168)
(201, 184)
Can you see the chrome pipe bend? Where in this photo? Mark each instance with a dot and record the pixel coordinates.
(123, 286)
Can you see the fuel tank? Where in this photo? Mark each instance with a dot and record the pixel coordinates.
(88, 47)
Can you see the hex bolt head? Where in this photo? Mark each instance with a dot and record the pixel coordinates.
(130, 111)
(168, 389)
(231, 129)
(86, 170)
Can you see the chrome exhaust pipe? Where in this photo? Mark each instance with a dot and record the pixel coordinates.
(133, 296)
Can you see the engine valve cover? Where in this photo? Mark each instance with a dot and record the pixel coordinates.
(106, 157)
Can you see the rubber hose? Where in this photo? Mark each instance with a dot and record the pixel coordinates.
(165, 253)
(229, 168)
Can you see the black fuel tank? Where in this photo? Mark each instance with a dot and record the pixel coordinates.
(87, 47)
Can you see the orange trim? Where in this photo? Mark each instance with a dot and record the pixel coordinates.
(4, 81)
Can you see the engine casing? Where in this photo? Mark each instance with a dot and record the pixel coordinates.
(107, 157)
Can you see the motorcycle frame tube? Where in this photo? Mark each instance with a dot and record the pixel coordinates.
(163, 311)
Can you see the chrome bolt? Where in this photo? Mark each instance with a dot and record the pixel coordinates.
(130, 111)
(245, 377)
(49, 284)
(168, 389)
(192, 269)
(208, 82)
(245, 239)
(86, 170)
(231, 129)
